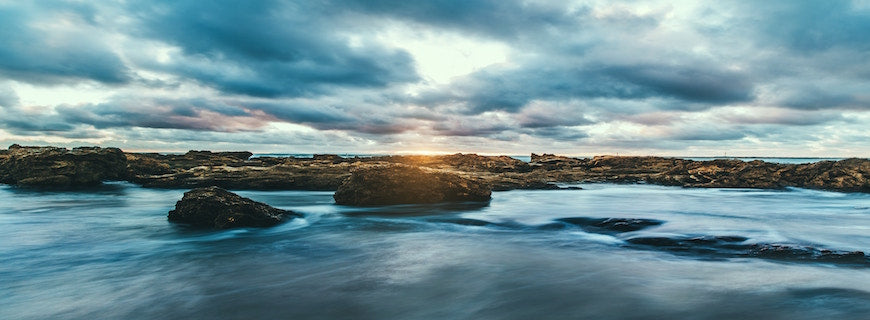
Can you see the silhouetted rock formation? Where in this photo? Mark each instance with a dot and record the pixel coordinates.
(402, 184)
(214, 207)
(61, 167)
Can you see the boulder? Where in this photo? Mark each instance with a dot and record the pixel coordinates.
(61, 167)
(402, 184)
(214, 207)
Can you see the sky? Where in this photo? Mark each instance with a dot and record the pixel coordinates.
(671, 78)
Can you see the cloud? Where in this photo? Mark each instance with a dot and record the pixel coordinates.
(511, 89)
(192, 114)
(56, 43)
(710, 134)
(557, 133)
(850, 95)
(268, 48)
(813, 26)
(780, 116)
(574, 75)
(549, 115)
(8, 97)
(494, 18)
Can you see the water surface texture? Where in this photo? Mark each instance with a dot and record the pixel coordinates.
(110, 253)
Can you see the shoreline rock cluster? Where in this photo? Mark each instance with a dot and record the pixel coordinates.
(60, 167)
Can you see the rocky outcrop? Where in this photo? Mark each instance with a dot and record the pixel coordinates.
(50, 166)
(61, 167)
(144, 164)
(403, 184)
(852, 175)
(214, 207)
(844, 175)
(461, 162)
(276, 177)
(611, 225)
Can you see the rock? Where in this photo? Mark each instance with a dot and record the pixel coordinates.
(845, 175)
(505, 183)
(333, 158)
(611, 225)
(275, 177)
(214, 207)
(402, 184)
(205, 154)
(461, 162)
(719, 247)
(61, 167)
(789, 252)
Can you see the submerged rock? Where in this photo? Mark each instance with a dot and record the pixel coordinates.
(719, 247)
(61, 167)
(611, 225)
(401, 184)
(214, 207)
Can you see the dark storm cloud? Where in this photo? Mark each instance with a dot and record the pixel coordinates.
(497, 18)
(510, 90)
(32, 52)
(269, 48)
(303, 113)
(812, 26)
(146, 112)
(34, 124)
(199, 114)
(808, 97)
(689, 83)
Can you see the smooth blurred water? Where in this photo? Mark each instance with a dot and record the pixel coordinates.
(109, 253)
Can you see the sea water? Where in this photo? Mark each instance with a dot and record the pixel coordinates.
(110, 253)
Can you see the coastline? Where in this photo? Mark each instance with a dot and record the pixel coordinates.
(85, 166)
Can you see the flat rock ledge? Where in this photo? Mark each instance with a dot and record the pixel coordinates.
(54, 167)
(214, 207)
(403, 184)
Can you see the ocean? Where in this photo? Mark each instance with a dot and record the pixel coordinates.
(110, 253)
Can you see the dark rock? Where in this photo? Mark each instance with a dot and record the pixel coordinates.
(253, 177)
(146, 164)
(733, 247)
(205, 154)
(464, 222)
(522, 184)
(61, 167)
(401, 184)
(214, 207)
(611, 225)
(552, 162)
(788, 252)
(328, 157)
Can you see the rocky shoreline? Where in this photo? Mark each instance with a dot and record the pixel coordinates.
(60, 167)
